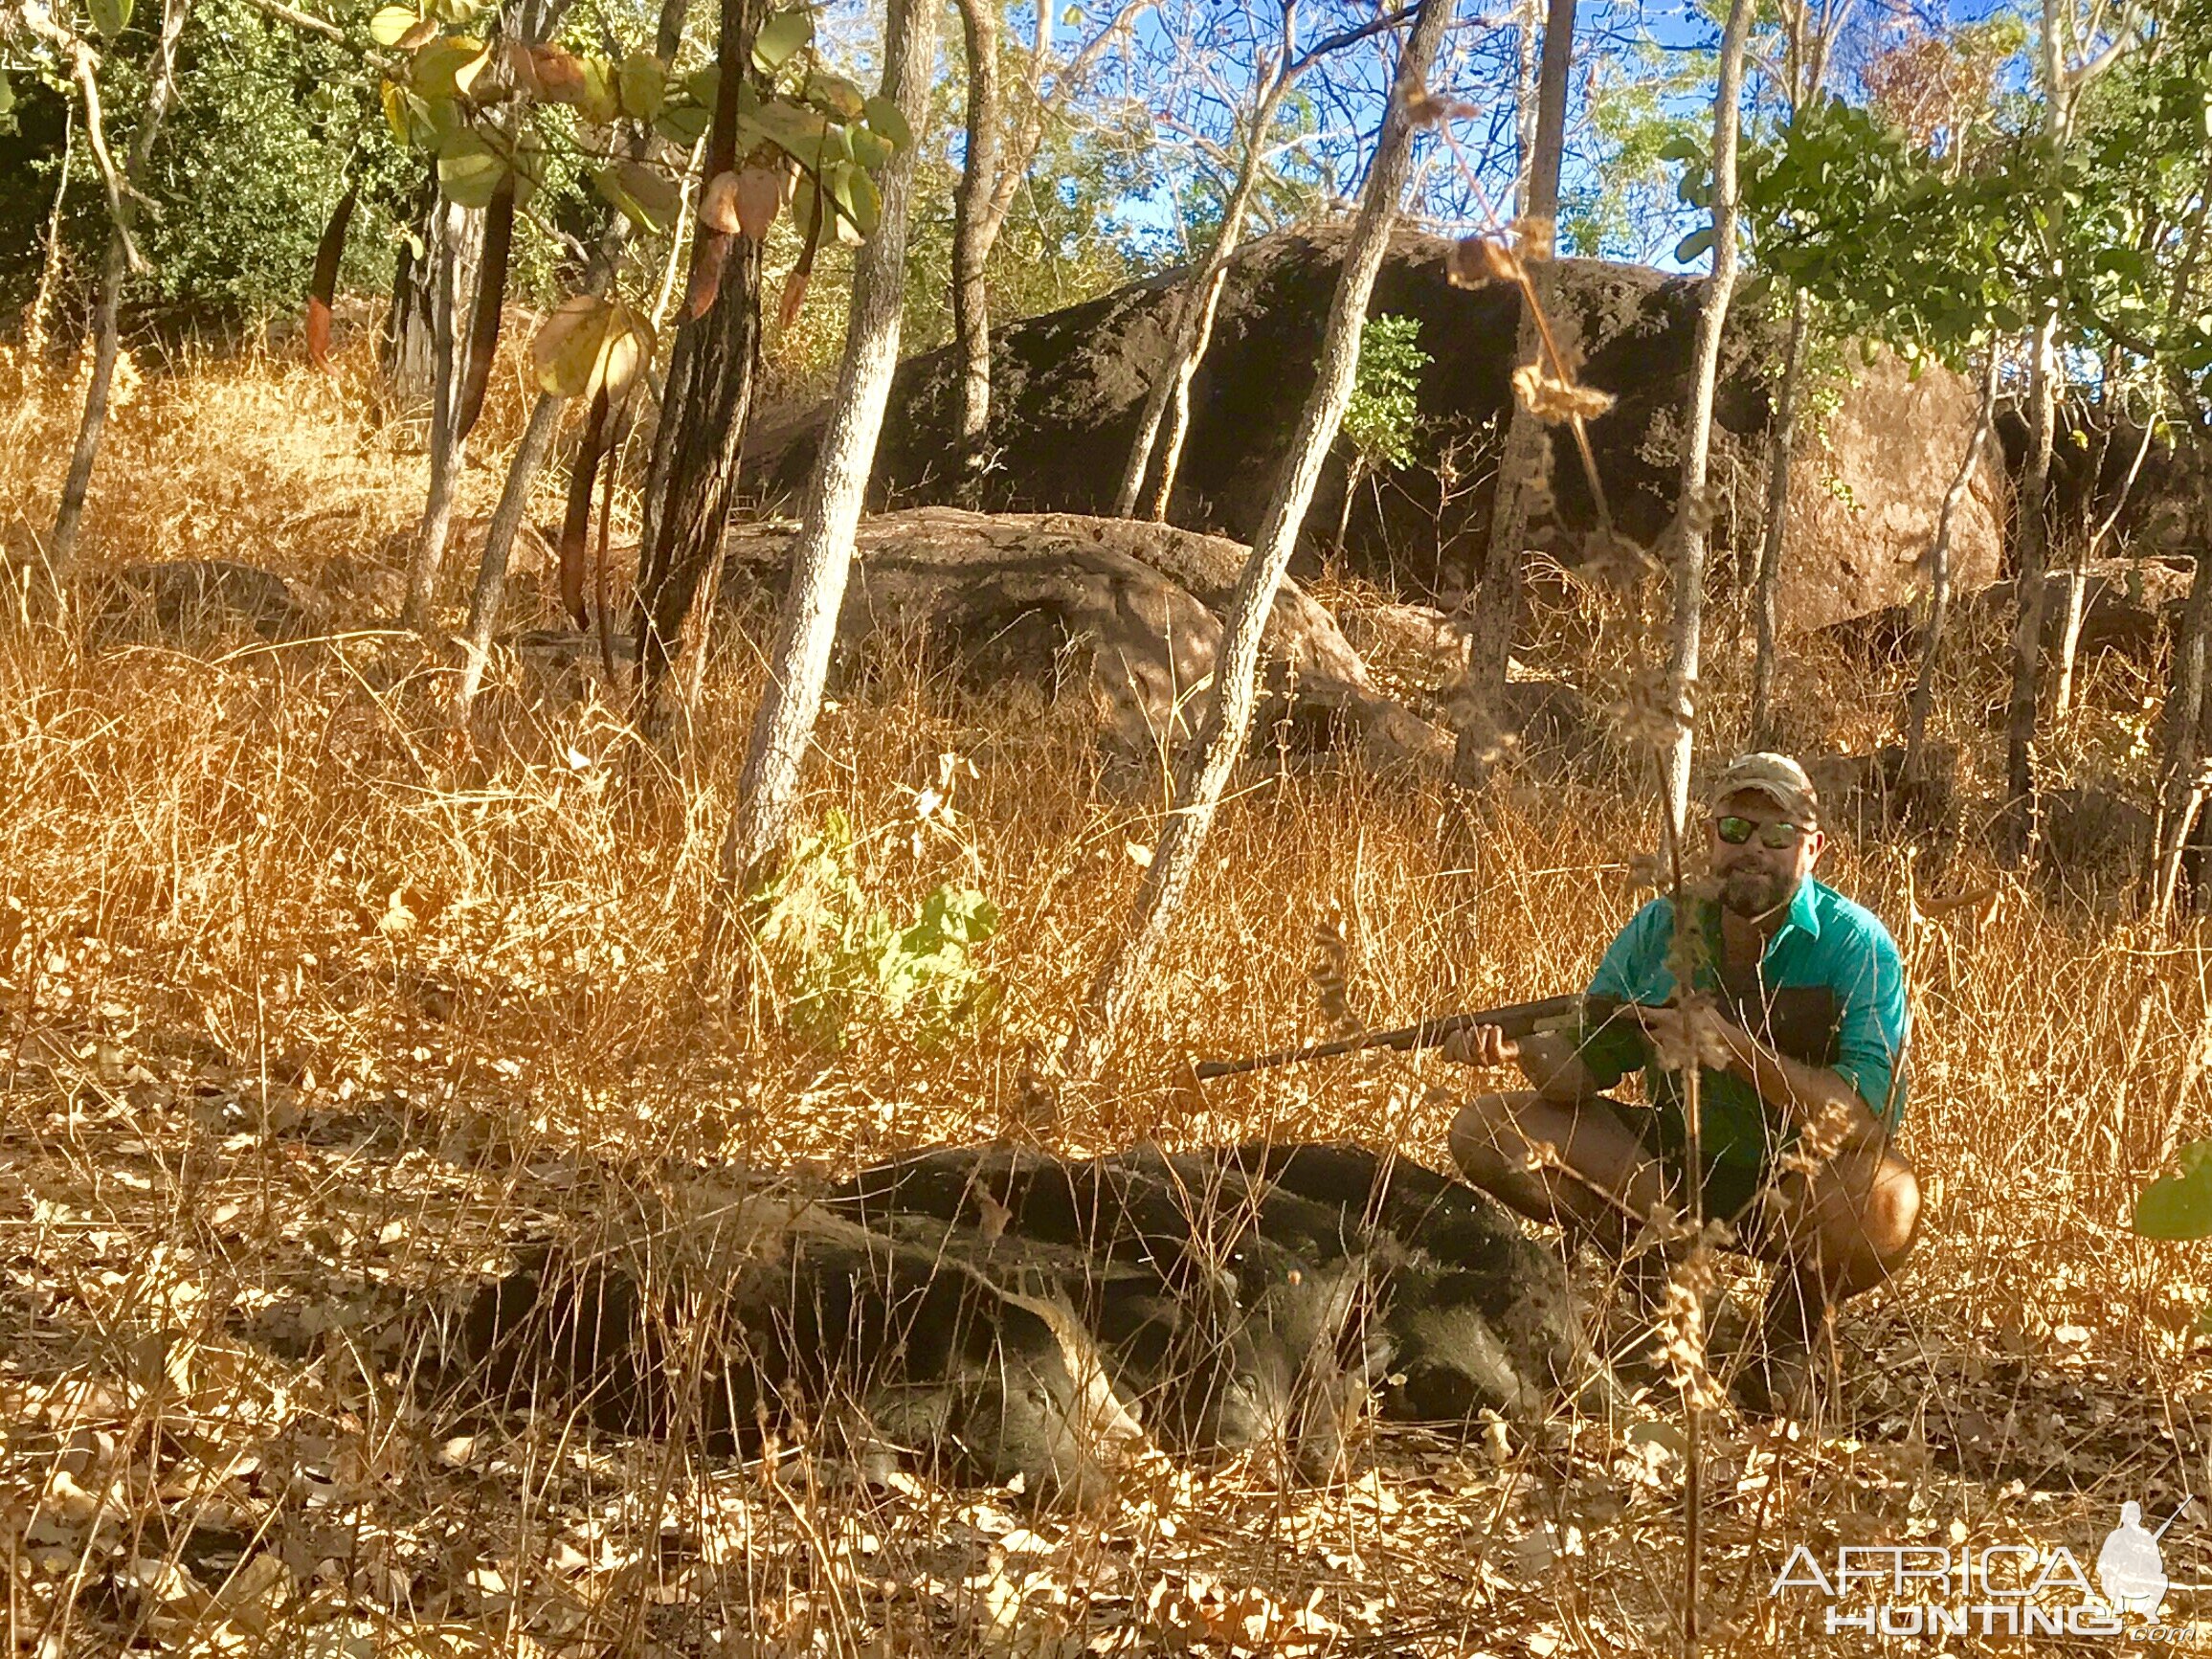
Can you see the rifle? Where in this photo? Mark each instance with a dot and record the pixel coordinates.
(1516, 1019)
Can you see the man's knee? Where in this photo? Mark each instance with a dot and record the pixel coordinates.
(1485, 1137)
(1890, 1213)
(1863, 1220)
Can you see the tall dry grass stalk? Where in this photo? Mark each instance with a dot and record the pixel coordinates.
(312, 1009)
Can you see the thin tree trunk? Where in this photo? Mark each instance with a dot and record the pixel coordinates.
(445, 446)
(1923, 697)
(1497, 611)
(2182, 719)
(2078, 578)
(1691, 516)
(1781, 456)
(823, 551)
(76, 485)
(1194, 317)
(1527, 101)
(2029, 596)
(34, 327)
(712, 373)
(409, 346)
(1206, 762)
(973, 233)
(1180, 405)
(544, 421)
(483, 610)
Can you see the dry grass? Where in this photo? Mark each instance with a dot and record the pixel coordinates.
(310, 1009)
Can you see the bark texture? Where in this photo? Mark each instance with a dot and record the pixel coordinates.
(1767, 581)
(711, 375)
(784, 724)
(445, 443)
(1498, 599)
(1693, 516)
(1204, 768)
(1923, 695)
(973, 233)
(2033, 538)
(121, 258)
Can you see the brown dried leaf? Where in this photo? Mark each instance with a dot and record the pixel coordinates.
(1475, 262)
(1555, 401)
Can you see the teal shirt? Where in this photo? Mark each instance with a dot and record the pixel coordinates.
(1827, 944)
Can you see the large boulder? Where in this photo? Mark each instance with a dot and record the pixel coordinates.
(1130, 612)
(1067, 388)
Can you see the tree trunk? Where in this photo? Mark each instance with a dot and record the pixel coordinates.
(544, 421)
(2181, 721)
(1691, 516)
(76, 485)
(1923, 695)
(1781, 456)
(1527, 101)
(1203, 769)
(2033, 526)
(823, 551)
(1498, 597)
(711, 377)
(1180, 405)
(972, 234)
(34, 326)
(445, 447)
(410, 344)
(1194, 316)
(483, 610)
(2078, 578)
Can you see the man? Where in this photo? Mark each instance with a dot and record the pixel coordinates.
(1798, 1016)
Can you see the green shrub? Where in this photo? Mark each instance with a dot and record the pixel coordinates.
(841, 965)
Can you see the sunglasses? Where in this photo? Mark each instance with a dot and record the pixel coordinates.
(1736, 831)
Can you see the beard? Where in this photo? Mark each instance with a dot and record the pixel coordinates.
(1753, 893)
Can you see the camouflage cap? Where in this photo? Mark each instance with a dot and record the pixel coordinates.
(1776, 776)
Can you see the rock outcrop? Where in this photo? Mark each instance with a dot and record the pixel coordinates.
(1127, 614)
(1068, 387)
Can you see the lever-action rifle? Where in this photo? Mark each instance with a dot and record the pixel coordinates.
(1517, 1019)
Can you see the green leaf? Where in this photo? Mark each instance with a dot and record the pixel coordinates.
(649, 197)
(2179, 1206)
(445, 68)
(882, 115)
(7, 94)
(782, 34)
(469, 169)
(602, 100)
(1694, 246)
(683, 123)
(797, 131)
(854, 193)
(391, 23)
(110, 17)
(643, 85)
(870, 149)
(835, 95)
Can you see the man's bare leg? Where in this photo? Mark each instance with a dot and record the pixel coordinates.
(1834, 1234)
(1496, 1141)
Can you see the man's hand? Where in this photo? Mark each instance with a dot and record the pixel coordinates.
(1481, 1045)
(1692, 1033)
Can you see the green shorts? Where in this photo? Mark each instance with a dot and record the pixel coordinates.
(1731, 1184)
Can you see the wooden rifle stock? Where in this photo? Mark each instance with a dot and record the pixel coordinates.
(1517, 1019)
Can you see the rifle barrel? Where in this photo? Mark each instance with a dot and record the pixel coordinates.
(1515, 1019)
